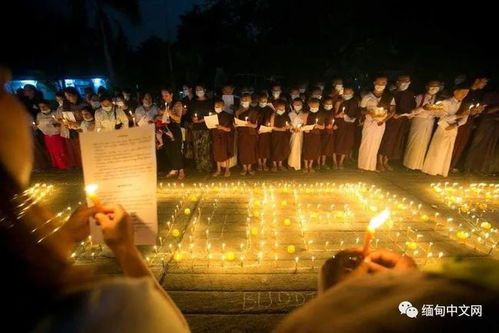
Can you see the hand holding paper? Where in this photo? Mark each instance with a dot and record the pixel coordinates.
(264, 129)
(211, 121)
(240, 123)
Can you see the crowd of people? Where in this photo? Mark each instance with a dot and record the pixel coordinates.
(437, 131)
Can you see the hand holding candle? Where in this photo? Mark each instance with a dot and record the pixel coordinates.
(91, 191)
(375, 223)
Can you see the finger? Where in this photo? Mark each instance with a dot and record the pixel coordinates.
(373, 267)
(385, 257)
(102, 219)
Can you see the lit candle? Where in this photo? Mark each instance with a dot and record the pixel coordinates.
(133, 118)
(375, 223)
(91, 191)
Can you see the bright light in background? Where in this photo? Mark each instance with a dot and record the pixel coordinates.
(98, 82)
(69, 82)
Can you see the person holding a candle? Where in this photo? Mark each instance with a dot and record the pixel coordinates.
(311, 150)
(280, 136)
(88, 122)
(145, 113)
(264, 139)
(393, 142)
(223, 139)
(247, 136)
(346, 117)
(200, 107)
(43, 290)
(327, 135)
(297, 117)
(109, 117)
(439, 156)
(421, 129)
(378, 106)
(173, 144)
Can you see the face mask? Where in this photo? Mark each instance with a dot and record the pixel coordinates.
(253, 104)
(186, 92)
(46, 111)
(317, 96)
(280, 112)
(404, 86)
(245, 104)
(458, 81)
(218, 110)
(147, 105)
(321, 86)
(276, 94)
(379, 88)
(88, 118)
(338, 87)
(294, 96)
(60, 103)
(95, 104)
(107, 108)
(302, 90)
(328, 107)
(314, 110)
(199, 93)
(120, 103)
(347, 97)
(433, 90)
(298, 108)
(262, 105)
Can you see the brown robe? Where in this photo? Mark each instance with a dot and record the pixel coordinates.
(345, 134)
(280, 140)
(223, 142)
(264, 139)
(247, 137)
(327, 135)
(311, 149)
(393, 142)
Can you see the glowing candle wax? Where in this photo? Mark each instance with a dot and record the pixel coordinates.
(91, 191)
(375, 223)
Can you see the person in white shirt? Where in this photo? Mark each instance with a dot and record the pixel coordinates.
(109, 117)
(438, 159)
(378, 106)
(88, 122)
(298, 117)
(48, 122)
(421, 127)
(145, 113)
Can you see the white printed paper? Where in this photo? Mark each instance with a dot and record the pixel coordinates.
(211, 121)
(307, 128)
(264, 129)
(240, 123)
(69, 116)
(123, 166)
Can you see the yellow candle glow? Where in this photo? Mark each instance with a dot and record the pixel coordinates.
(91, 191)
(374, 224)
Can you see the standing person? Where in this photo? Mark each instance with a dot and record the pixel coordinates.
(423, 119)
(31, 98)
(393, 142)
(173, 145)
(327, 135)
(231, 102)
(200, 107)
(316, 93)
(298, 117)
(223, 138)
(336, 90)
(378, 106)
(145, 113)
(275, 95)
(280, 136)
(247, 136)
(311, 150)
(346, 117)
(125, 107)
(46, 121)
(473, 100)
(109, 117)
(439, 156)
(294, 93)
(264, 139)
(88, 122)
(74, 103)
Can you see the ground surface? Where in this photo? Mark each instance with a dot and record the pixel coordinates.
(247, 250)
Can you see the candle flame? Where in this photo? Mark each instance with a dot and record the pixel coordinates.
(91, 189)
(378, 220)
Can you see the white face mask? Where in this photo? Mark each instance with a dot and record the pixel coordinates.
(379, 88)
(262, 105)
(294, 96)
(317, 96)
(298, 108)
(107, 108)
(46, 111)
(302, 90)
(280, 112)
(120, 103)
(314, 110)
(199, 93)
(186, 92)
(218, 110)
(276, 94)
(147, 105)
(433, 90)
(60, 103)
(338, 87)
(347, 97)
(328, 107)
(88, 118)
(95, 104)
(245, 104)
(404, 86)
(321, 86)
